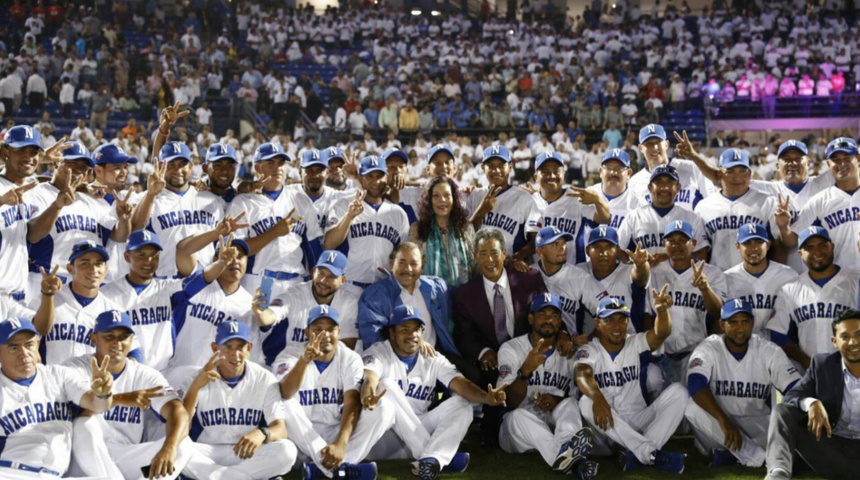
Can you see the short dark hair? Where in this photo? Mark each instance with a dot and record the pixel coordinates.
(848, 314)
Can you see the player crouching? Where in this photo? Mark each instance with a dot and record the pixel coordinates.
(544, 416)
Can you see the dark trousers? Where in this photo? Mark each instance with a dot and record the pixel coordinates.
(492, 420)
(829, 457)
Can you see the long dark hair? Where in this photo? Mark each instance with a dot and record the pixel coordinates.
(458, 220)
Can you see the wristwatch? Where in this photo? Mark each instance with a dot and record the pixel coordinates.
(265, 431)
(521, 375)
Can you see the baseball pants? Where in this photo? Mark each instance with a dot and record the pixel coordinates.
(753, 433)
(527, 428)
(218, 462)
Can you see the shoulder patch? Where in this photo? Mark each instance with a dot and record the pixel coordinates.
(696, 362)
(504, 371)
(581, 354)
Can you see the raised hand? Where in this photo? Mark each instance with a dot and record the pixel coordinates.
(230, 224)
(662, 301)
(51, 284)
(488, 203)
(102, 380)
(54, 153)
(536, 356)
(170, 115)
(139, 398)
(357, 205)
(14, 196)
(286, 225)
(67, 187)
(257, 185)
(586, 196)
(350, 168)
(123, 209)
(684, 147)
(227, 252)
(782, 214)
(640, 257)
(209, 372)
(155, 183)
(700, 280)
(312, 348)
(497, 396)
(529, 187)
(370, 400)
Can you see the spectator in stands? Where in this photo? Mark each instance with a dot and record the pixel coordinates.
(99, 107)
(787, 88)
(37, 91)
(408, 121)
(613, 136)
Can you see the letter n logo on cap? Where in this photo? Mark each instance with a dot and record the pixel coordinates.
(324, 309)
(547, 297)
(679, 224)
(410, 310)
(315, 154)
(222, 147)
(332, 151)
(602, 230)
(813, 230)
(651, 128)
(495, 149)
(146, 235)
(737, 154)
(16, 324)
(791, 143)
(332, 256)
(176, 148)
(739, 303)
(115, 317)
(234, 327)
(616, 152)
(374, 161)
(28, 132)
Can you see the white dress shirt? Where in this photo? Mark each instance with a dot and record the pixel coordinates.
(505, 287)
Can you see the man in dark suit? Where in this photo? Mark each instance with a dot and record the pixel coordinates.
(490, 310)
(820, 416)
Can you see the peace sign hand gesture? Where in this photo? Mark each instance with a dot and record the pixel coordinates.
(586, 196)
(169, 116)
(488, 203)
(67, 188)
(370, 400)
(14, 196)
(700, 280)
(782, 214)
(155, 183)
(312, 348)
(286, 225)
(684, 147)
(662, 301)
(230, 224)
(54, 153)
(350, 168)
(227, 253)
(640, 257)
(257, 185)
(496, 396)
(123, 209)
(51, 284)
(536, 357)
(102, 380)
(209, 372)
(356, 207)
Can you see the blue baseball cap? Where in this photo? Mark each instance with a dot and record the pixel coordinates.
(548, 156)
(82, 248)
(497, 151)
(545, 299)
(232, 329)
(334, 261)
(404, 313)
(547, 235)
(810, 232)
(371, 163)
(331, 153)
(734, 157)
(269, 150)
(313, 157)
(111, 154)
(323, 311)
(610, 306)
(664, 170)
(748, 231)
(220, 151)
(602, 233)
(792, 145)
(679, 226)
(394, 153)
(174, 151)
(77, 151)
(21, 136)
(616, 154)
(13, 326)
(734, 306)
(141, 238)
(652, 130)
(111, 319)
(841, 144)
(238, 242)
(438, 148)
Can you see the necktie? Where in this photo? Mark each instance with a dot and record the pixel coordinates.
(499, 317)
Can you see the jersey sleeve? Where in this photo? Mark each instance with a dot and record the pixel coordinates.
(107, 217)
(718, 282)
(349, 320)
(447, 371)
(352, 372)
(285, 362)
(533, 220)
(700, 233)
(586, 355)
(780, 322)
(15, 309)
(509, 364)
(273, 405)
(337, 212)
(626, 231)
(782, 372)
(75, 384)
(237, 207)
(373, 361)
(701, 362)
(807, 216)
(152, 378)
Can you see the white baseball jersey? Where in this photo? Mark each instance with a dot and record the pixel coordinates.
(409, 199)
(689, 317)
(87, 218)
(37, 418)
(151, 312)
(761, 291)
(176, 216)
(13, 248)
(799, 199)
(510, 215)
(578, 291)
(743, 387)
(209, 306)
(836, 211)
(645, 225)
(419, 382)
(325, 203)
(554, 376)
(619, 285)
(225, 414)
(569, 215)
(291, 310)
(11, 309)
(73, 323)
(323, 386)
(621, 205)
(723, 218)
(694, 185)
(806, 309)
(283, 254)
(372, 236)
(623, 379)
(127, 423)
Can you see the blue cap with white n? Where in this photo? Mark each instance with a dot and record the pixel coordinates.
(112, 154)
(602, 233)
(545, 299)
(269, 150)
(616, 154)
(610, 306)
(734, 306)
(371, 163)
(142, 238)
(331, 153)
(749, 231)
(13, 326)
(789, 145)
(232, 329)
(810, 232)
(841, 144)
(734, 157)
(394, 153)
(174, 151)
(313, 157)
(220, 151)
(77, 151)
(404, 313)
(650, 131)
(548, 235)
(679, 226)
(323, 311)
(334, 261)
(439, 148)
(548, 156)
(21, 136)
(110, 319)
(497, 151)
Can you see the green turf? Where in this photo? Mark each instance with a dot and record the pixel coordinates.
(494, 464)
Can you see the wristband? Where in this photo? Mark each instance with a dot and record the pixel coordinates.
(48, 294)
(521, 375)
(265, 431)
(103, 397)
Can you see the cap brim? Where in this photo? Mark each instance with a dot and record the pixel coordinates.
(399, 154)
(750, 237)
(553, 238)
(487, 159)
(786, 149)
(664, 174)
(729, 165)
(232, 337)
(373, 169)
(726, 317)
(650, 136)
(221, 157)
(849, 151)
(144, 244)
(550, 159)
(311, 321)
(274, 155)
(404, 320)
(98, 250)
(314, 162)
(541, 307)
(111, 327)
(602, 239)
(17, 145)
(814, 236)
(441, 150)
(175, 157)
(331, 268)
(609, 313)
(73, 158)
(118, 160)
(19, 330)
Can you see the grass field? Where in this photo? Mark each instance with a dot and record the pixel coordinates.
(490, 463)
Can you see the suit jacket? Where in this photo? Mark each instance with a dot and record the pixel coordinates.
(824, 381)
(474, 325)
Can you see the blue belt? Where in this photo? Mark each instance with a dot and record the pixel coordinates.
(17, 296)
(279, 275)
(27, 468)
(360, 284)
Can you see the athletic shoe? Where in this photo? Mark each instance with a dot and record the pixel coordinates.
(587, 469)
(669, 461)
(459, 463)
(312, 472)
(573, 450)
(628, 460)
(426, 469)
(358, 471)
(722, 458)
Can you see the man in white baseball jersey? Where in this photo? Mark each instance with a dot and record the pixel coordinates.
(221, 167)
(805, 306)
(615, 175)
(756, 279)
(730, 380)
(111, 170)
(112, 444)
(237, 415)
(501, 205)
(578, 293)
(314, 172)
(282, 230)
(833, 209)
(336, 178)
(611, 372)
(395, 369)
(398, 192)
(544, 416)
(736, 204)
(35, 401)
(698, 293)
(368, 227)
(654, 147)
(324, 377)
(173, 209)
(570, 210)
(645, 225)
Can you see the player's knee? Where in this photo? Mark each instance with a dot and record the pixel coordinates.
(383, 413)
(284, 452)
(461, 409)
(676, 394)
(586, 406)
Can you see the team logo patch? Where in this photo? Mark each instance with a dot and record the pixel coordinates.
(368, 360)
(581, 354)
(282, 369)
(504, 371)
(696, 362)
